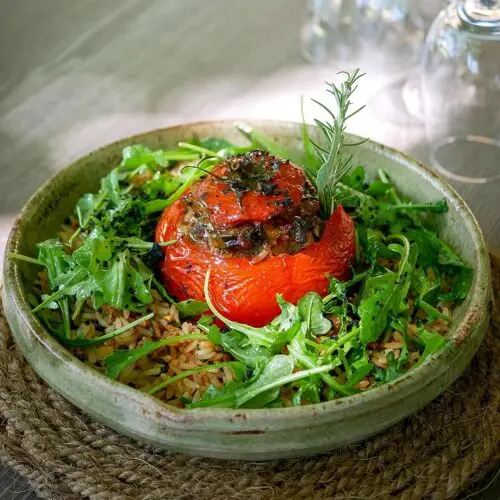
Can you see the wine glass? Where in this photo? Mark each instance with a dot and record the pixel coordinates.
(461, 91)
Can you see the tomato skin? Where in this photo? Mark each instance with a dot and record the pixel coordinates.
(256, 207)
(246, 292)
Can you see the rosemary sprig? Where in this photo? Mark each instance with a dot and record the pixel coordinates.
(335, 162)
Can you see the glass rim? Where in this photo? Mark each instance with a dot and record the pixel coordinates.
(475, 21)
(464, 178)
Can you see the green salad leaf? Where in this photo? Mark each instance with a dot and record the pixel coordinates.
(81, 341)
(118, 360)
(189, 308)
(236, 343)
(272, 336)
(432, 342)
(310, 309)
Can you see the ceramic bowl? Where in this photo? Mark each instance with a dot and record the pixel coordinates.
(242, 434)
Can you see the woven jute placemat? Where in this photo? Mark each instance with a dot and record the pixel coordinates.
(436, 453)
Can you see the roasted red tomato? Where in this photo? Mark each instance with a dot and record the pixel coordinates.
(255, 224)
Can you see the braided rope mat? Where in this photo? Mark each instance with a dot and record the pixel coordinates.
(436, 453)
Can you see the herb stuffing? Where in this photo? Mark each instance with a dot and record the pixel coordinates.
(216, 275)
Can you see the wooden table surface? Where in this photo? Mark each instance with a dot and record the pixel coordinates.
(75, 75)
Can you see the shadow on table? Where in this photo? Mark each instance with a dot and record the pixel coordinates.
(24, 166)
(72, 65)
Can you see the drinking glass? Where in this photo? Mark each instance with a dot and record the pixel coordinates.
(424, 12)
(382, 33)
(461, 91)
(322, 19)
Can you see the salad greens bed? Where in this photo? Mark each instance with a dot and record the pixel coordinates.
(405, 279)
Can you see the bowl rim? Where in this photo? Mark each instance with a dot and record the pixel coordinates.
(399, 388)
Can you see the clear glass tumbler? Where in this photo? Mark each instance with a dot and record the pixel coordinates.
(423, 13)
(383, 34)
(461, 91)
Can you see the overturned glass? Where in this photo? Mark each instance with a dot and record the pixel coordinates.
(461, 91)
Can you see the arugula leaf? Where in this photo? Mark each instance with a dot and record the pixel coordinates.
(405, 275)
(384, 295)
(24, 258)
(122, 286)
(432, 249)
(359, 374)
(400, 324)
(118, 360)
(395, 199)
(216, 144)
(372, 243)
(205, 321)
(84, 289)
(366, 206)
(160, 289)
(431, 311)
(461, 281)
(235, 343)
(87, 206)
(274, 376)
(289, 314)
(214, 335)
(111, 187)
(337, 304)
(224, 397)
(338, 290)
(439, 207)
(432, 343)
(95, 250)
(434, 252)
(265, 143)
(355, 178)
(155, 206)
(392, 372)
(396, 367)
(51, 253)
(378, 304)
(310, 308)
(298, 350)
(134, 156)
(377, 188)
(309, 389)
(189, 308)
(422, 285)
(264, 385)
(195, 174)
(83, 342)
(63, 289)
(161, 185)
(269, 336)
(254, 396)
(186, 373)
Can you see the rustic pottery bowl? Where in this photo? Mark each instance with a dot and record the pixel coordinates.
(242, 434)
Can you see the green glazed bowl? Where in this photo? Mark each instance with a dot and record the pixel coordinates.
(242, 434)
